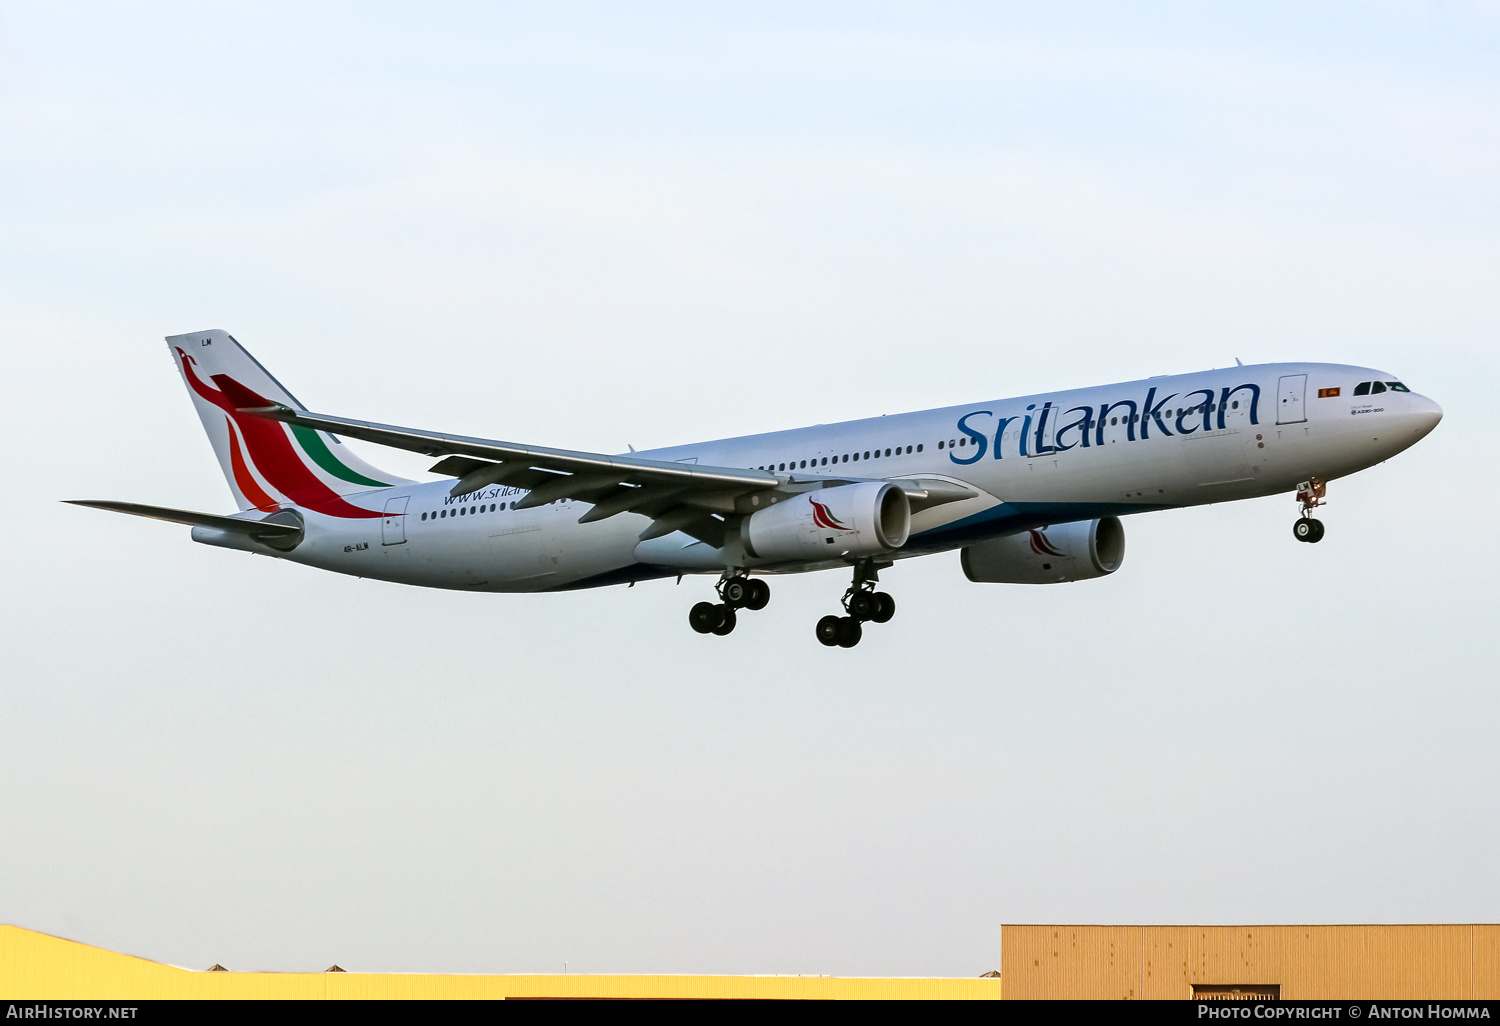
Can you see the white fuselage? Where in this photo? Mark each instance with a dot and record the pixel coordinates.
(1170, 441)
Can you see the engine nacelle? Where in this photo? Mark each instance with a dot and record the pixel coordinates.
(1049, 555)
(868, 519)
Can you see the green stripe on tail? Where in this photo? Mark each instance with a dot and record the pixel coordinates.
(312, 443)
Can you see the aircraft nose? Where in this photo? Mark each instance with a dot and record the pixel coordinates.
(1424, 415)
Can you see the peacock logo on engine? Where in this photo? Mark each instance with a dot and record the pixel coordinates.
(824, 519)
(1042, 545)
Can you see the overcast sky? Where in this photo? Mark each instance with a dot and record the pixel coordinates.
(598, 225)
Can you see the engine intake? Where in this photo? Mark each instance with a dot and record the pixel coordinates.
(867, 519)
(1048, 555)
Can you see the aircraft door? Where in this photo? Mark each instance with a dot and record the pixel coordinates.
(1047, 443)
(1290, 391)
(393, 524)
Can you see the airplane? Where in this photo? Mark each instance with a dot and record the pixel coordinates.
(1030, 490)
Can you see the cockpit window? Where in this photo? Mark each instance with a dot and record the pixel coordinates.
(1363, 388)
(1396, 386)
(1376, 387)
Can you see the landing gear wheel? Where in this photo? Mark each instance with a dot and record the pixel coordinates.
(1308, 530)
(849, 632)
(736, 592)
(727, 624)
(830, 628)
(1311, 494)
(759, 594)
(862, 605)
(705, 617)
(885, 607)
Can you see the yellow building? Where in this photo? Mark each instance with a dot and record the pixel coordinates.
(37, 967)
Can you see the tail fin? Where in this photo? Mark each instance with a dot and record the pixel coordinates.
(267, 464)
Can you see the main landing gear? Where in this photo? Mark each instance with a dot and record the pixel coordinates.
(863, 604)
(737, 592)
(1311, 494)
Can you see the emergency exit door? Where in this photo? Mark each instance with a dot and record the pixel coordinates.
(1290, 392)
(393, 526)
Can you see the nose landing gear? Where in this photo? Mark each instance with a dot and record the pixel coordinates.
(1311, 494)
(863, 604)
(737, 592)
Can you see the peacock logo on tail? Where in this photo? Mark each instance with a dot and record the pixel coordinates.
(269, 451)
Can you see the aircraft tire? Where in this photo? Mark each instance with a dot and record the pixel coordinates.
(736, 592)
(759, 594)
(705, 616)
(1317, 531)
(863, 606)
(885, 607)
(830, 629)
(849, 632)
(726, 624)
(1304, 530)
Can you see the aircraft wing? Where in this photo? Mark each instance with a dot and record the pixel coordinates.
(676, 496)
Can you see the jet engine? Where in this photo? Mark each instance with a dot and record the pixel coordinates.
(1048, 555)
(868, 519)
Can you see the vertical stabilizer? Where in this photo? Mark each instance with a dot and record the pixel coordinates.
(268, 464)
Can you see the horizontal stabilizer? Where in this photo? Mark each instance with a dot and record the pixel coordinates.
(282, 530)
